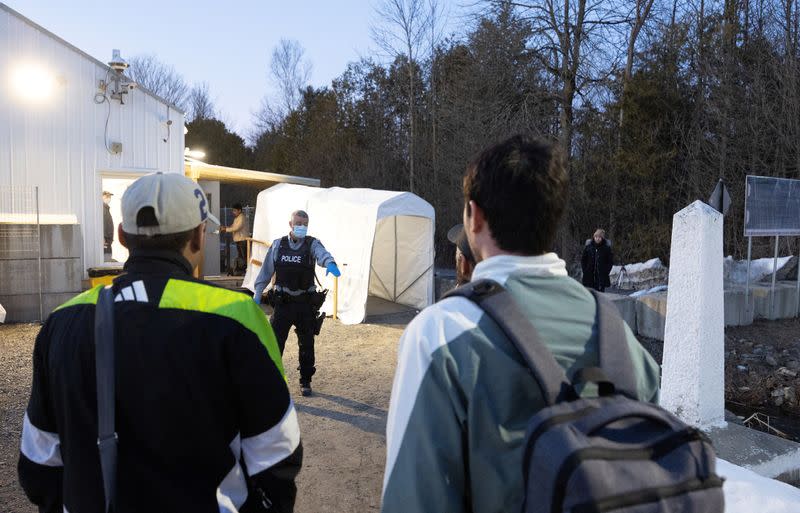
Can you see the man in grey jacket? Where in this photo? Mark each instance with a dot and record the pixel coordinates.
(462, 395)
(292, 259)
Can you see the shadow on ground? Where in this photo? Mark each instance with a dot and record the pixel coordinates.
(362, 416)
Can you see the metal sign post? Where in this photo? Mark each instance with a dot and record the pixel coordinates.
(797, 295)
(747, 285)
(774, 276)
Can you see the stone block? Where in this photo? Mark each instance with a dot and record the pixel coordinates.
(737, 312)
(651, 315)
(56, 241)
(62, 241)
(58, 275)
(25, 307)
(785, 301)
(627, 308)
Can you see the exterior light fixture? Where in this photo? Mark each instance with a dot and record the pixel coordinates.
(195, 154)
(32, 82)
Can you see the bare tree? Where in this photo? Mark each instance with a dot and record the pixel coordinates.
(575, 41)
(436, 24)
(159, 78)
(642, 9)
(199, 102)
(401, 31)
(290, 72)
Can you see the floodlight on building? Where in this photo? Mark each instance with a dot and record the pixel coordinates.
(32, 82)
(195, 154)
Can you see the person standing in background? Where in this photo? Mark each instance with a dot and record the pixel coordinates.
(108, 227)
(596, 261)
(238, 229)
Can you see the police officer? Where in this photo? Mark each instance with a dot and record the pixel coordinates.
(292, 259)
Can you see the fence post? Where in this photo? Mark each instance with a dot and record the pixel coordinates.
(39, 258)
(335, 297)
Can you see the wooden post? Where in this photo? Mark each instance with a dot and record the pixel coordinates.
(335, 297)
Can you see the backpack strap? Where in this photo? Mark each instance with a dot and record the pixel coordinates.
(104, 372)
(615, 356)
(501, 307)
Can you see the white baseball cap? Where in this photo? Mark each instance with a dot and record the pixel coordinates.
(179, 204)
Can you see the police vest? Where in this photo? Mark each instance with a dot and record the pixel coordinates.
(294, 268)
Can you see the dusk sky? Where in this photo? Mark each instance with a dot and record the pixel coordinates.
(228, 44)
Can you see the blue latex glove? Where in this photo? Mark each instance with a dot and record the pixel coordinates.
(332, 269)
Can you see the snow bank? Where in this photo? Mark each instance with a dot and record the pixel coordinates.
(747, 492)
(639, 276)
(736, 270)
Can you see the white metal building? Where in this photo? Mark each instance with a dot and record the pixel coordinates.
(63, 128)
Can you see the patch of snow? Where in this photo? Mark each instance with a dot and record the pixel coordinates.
(2, 314)
(760, 268)
(653, 263)
(747, 492)
(659, 288)
(779, 465)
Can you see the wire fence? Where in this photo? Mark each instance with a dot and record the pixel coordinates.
(20, 241)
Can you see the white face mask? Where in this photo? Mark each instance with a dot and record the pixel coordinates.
(300, 231)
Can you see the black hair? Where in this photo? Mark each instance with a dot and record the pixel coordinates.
(522, 186)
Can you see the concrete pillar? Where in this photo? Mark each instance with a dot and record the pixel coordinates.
(693, 374)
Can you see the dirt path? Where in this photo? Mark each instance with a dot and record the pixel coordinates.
(343, 424)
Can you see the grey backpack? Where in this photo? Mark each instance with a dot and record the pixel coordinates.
(607, 453)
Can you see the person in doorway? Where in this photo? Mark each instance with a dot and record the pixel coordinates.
(200, 388)
(292, 260)
(238, 230)
(597, 261)
(108, 227)
(465, 262)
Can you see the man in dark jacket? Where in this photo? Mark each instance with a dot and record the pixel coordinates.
(108, 226)
(200, 389)
(596, 261)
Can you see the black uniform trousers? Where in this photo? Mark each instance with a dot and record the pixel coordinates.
(302, 316)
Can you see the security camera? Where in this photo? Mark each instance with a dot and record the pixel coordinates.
(130, 84)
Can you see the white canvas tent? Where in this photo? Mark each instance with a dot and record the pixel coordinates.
(382, 241)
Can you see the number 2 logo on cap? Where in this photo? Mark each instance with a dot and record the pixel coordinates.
(203, 212)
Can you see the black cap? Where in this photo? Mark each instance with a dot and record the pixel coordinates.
(457, 236)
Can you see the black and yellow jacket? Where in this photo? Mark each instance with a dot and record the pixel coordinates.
(200, 397)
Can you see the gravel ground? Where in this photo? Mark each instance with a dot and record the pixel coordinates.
(16, 346)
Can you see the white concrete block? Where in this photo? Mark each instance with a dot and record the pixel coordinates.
(693, 377)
